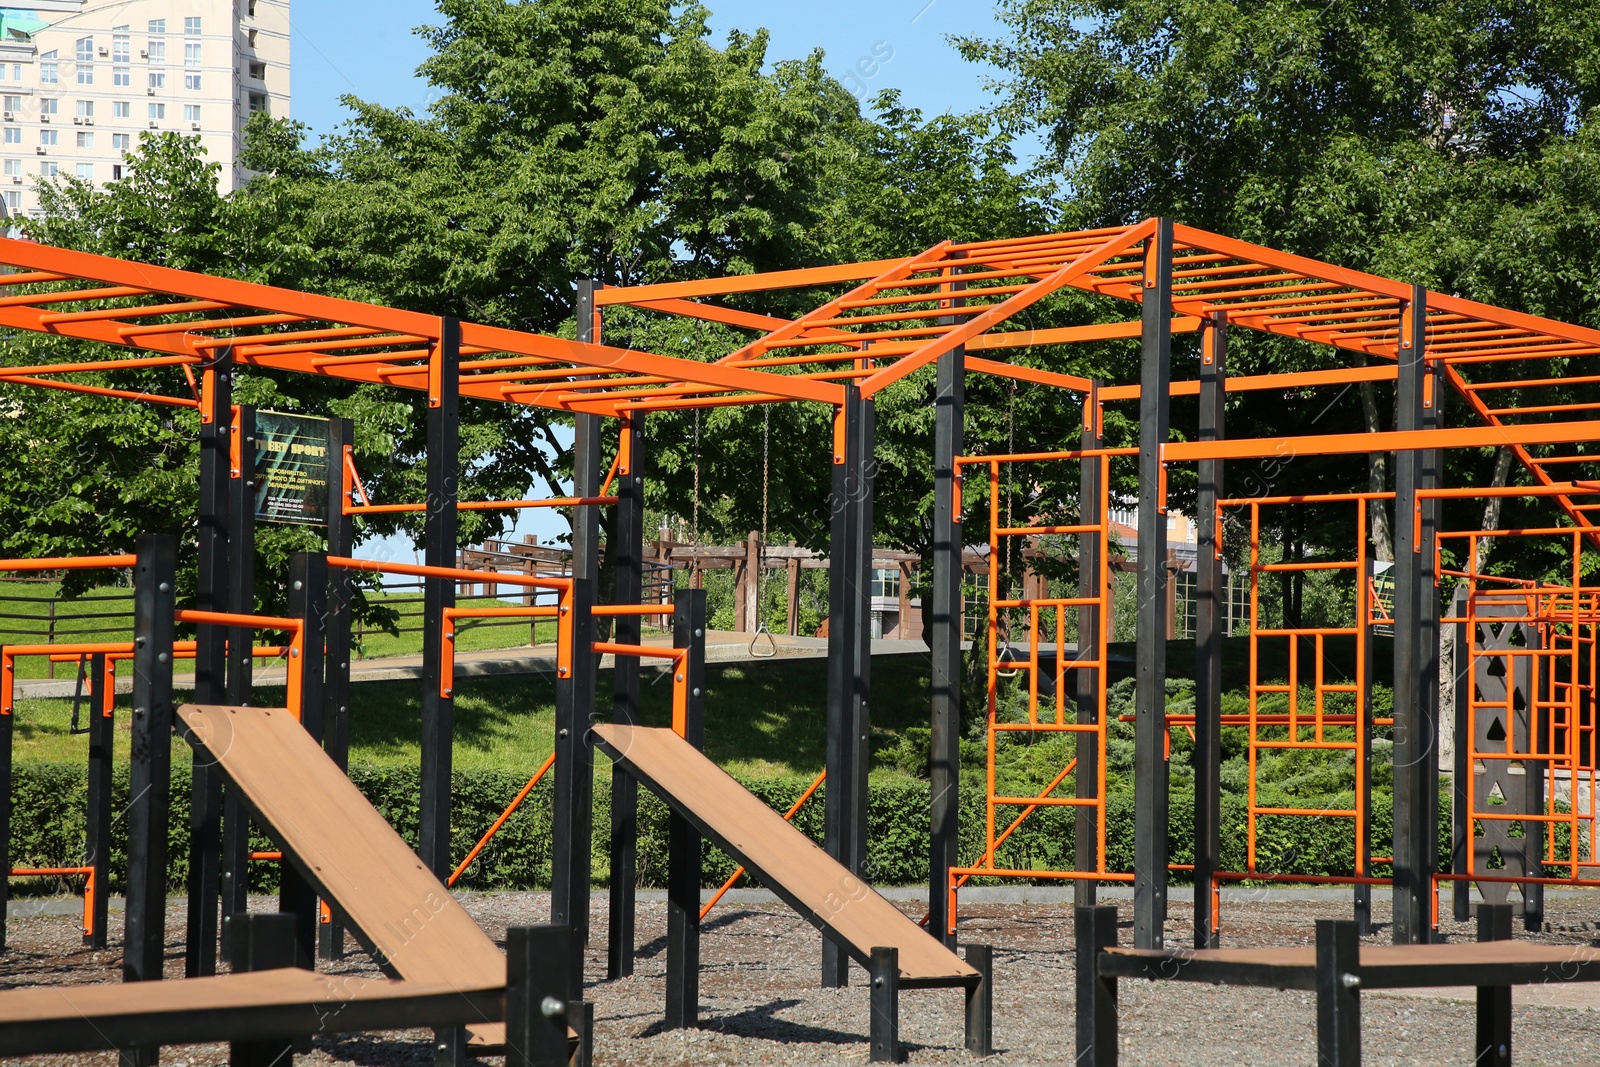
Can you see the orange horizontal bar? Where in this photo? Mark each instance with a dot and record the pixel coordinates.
(101, 390)
(67, 563)
(142, 311)
(1005, 872)
(482, 505)
(48, 872)
(631, 609)
(643, 651)
(1383, 441)
(140, 363)
(805, 277)
(228, 618)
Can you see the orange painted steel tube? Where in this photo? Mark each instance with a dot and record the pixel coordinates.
(206, 325)
(481, 505)
(511, 809)
(67, 296)
(447, 673)
(102, 390)
(89, 887)
(269, 856)
(417, 570)
(67, 563)
(138, 312)
(138, 363)
(788, 816)
(632, 609)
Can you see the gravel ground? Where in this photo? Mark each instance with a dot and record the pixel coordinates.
(761, 1004)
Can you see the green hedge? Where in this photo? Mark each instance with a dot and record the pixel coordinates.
(48, 828)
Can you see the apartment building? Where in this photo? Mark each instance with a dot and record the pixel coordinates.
(80, 80)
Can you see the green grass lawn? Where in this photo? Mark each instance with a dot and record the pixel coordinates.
(761, 719)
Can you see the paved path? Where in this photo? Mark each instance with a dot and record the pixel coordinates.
(722, 646)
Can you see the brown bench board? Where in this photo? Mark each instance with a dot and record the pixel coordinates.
(349, 852)
(233, 1007)
(788, 862)
(1382, 966)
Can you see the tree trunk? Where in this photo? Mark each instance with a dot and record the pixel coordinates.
(1377, 479)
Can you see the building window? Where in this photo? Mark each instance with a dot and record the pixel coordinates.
(258, 102)
(85, 74)
(156, 52)
(13, 168)
(1188, 606)
(86, 171)
(191, 53)
(974, 610)
(48, 168)
(13, 135)
(48, 105)
(85, 139)
(121, 109)
(122, 76)
(886, 582)
(47, 74)
(158, 26)
(121, 141)
(1238, 603)
(13, 203)
(191, 112)
(13, 104)
(158, 111)
(191, 27)
(191, 81)
(86, 109)
(116, 172)
(250, 35)
(47, 137)
(158, 79)
(121, 48)
(16, 72)
(258, 70)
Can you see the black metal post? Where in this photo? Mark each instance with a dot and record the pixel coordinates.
(1150, 701)
(261, 943)
(537, 994)
(980, 1001)
(235, 873)
(1095, 931)
(1461, 785)
(1493, 1046)
(683, 840)
(340, 619)
(7, 733)
(944, 644)
(1338, 980)
(308, 602)
(210, 666)
(884, 1030)
(97, 836)
(1085, 830)
(628, 559)
(150, 775)
(1413, 739)
(438, 707)
(573, 801)
(1211, 623)
(849, 648)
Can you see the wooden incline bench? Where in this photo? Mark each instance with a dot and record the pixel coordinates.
(802, 875)
(1337, 970)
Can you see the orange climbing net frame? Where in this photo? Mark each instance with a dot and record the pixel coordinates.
(1546, 721)
(1056, 720)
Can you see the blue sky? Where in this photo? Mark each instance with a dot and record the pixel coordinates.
(366, 48)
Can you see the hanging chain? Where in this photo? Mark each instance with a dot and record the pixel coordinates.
(766, 482)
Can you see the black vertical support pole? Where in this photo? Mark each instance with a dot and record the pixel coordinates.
(1085, 825)
(340, 620)
(235, 874)
(97, 839)
(1150, 710)
(1428, 615)
(1211, 621)
(629, 563)
(861, 603)
(1095, 930)
(537, 995)
(849, 564)
(1461, 780)
(1413, 743)
(210, 665)
(1493, 1045)
(944, 643)
(884, 1029)
(683, 840)
(980, 1001)
(1338, 981)
(261, 943)
(308, 602)
(574, 778)
(438, 706)
(150, 775)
